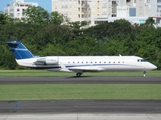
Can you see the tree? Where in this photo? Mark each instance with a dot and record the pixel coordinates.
(76, 27)
(78, 24)
(36, 15)
(150, 21)
(4, 18)
(16, 20)
(57, 18)
(118, 29)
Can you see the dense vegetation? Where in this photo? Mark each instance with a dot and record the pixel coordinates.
(44, 34)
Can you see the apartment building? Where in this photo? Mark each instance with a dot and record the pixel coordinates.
(16, 7)
(75, 10)
(80, 10)
(99, 11)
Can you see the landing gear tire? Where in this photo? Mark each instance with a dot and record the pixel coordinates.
(78, 74)
(144, 73)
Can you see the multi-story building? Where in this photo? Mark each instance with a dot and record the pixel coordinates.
(75, 10)
(16, 7)
(98, 11)
(141, 7)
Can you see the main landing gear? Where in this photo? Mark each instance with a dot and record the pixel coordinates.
(144, 73)
(78, 74)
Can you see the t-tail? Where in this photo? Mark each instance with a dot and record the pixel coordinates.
(19, 50)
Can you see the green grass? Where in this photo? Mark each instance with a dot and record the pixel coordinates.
(81, 92)
(78, 91)
(49, 73)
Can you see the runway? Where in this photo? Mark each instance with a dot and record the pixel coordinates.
(82, 106)
(81, 109)
(80, 80)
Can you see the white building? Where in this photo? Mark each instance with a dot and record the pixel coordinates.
(16, 7)
(135, 11)
(98, 11)
(75, 10)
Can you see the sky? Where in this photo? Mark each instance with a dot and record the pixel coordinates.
(46, 4)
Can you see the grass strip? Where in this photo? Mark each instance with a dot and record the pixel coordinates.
(49, 73)
(80, 92)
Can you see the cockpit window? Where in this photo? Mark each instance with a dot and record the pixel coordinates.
(141, 60)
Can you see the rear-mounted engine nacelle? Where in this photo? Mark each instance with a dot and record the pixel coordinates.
(48, 60)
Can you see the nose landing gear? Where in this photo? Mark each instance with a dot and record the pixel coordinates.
(144, 73)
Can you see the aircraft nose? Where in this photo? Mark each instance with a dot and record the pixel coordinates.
(152, 67)
(155, 67)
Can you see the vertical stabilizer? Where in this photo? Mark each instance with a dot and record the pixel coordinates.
(19, 50)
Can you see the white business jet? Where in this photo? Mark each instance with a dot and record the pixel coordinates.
(78, 64)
